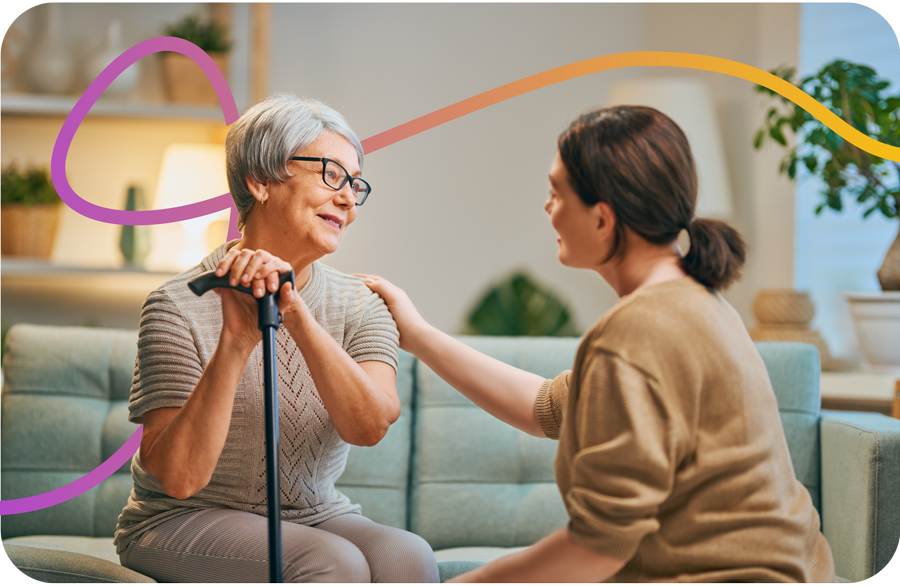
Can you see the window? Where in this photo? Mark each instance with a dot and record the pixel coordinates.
(838, 252)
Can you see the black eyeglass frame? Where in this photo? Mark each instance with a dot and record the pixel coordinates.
(347, 176)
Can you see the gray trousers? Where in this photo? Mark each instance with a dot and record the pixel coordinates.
(223, 545)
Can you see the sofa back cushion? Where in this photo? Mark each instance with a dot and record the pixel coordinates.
(794, 370)
(377, 478)
(478, 482)
(64, 412)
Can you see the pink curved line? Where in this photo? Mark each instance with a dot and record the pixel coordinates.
(82, 485)
(89, 98)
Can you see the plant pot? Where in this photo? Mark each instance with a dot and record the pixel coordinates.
(28, 230)
(877, 320)
(889, 273)
(185, 81)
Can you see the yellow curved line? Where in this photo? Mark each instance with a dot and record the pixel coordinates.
(635, 59)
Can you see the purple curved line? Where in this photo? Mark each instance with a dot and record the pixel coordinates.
(89, 98)
(82, 485)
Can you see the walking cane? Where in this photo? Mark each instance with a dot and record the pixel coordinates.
(268, 323)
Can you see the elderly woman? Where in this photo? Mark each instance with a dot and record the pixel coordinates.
(197, 512)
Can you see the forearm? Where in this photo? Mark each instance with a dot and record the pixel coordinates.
(506, 392)
(555, 558)
(361, 410)
(184, 453)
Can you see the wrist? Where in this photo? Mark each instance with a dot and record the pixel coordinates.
(238, 346)
(296, 318)
(415, 338)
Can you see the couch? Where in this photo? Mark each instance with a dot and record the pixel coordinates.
(473, 487)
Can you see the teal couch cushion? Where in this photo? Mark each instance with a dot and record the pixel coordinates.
(794, 370)
(64, 412)
(377, 477)
(476, 480)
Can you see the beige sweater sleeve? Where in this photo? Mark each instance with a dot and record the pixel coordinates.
(624, 465)
(551, 404)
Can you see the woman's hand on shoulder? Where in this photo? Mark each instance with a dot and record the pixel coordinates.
(409, 322)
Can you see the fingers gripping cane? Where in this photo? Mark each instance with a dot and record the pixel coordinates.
(268, 323)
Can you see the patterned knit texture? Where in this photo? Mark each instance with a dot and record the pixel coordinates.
(179, 333)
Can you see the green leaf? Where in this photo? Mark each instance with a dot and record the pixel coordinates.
(777, 136)
(792, 168)
(758, 139)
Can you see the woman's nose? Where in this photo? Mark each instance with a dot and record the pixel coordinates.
(344, 196)
(548, 205)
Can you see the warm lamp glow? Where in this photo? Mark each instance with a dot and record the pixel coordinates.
(189, 173)
(687, 101)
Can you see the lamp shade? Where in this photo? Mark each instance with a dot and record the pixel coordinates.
(190, 172)
(688, 102)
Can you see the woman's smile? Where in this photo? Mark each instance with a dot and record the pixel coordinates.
(332, 221)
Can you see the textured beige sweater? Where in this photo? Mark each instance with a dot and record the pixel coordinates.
(179, 333)
(672, 455)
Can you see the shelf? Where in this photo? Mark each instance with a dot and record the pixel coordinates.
(41, 292)
(19, 104)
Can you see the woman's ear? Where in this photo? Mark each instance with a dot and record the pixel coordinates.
(259, 190)
(603, 218)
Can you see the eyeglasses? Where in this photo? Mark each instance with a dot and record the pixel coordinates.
(335, 176)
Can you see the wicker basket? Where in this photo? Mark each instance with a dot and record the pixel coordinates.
(783, 306)
(185, 81)
(28, 230)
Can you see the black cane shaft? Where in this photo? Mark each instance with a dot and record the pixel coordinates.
(274, 480)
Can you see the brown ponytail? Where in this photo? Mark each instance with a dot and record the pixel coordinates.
(716, 255)
(639, 162)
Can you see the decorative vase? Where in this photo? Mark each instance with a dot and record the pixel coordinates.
(135, 240)
(49, 63)
(113, 48)
(889, 273)
(185, 81)
(784, 315)
(877, 320)
(28, 230)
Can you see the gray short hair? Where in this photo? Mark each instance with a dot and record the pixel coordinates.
(262, 141)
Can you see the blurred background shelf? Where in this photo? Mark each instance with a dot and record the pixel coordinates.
(22, 104)
(45, 293)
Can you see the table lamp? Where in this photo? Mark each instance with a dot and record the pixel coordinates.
(190, 172)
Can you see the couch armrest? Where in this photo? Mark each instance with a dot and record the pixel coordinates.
(53, 565)
(860, 490)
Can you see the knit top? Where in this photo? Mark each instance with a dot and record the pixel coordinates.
(177, 337)
(672, 455)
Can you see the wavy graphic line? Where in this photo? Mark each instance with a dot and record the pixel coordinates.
(634, 59)
(82, 485)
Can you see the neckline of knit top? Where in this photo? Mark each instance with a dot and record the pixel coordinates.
(311, 292)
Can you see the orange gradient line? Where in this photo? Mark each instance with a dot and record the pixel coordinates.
(634, 59)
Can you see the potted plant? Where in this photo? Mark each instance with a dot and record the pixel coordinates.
(185, 82)
(856, 94)
(29, 210)
(518, 306)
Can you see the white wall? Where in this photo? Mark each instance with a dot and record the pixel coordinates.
(460, 206)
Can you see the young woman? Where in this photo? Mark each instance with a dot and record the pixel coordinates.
(672, 461)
